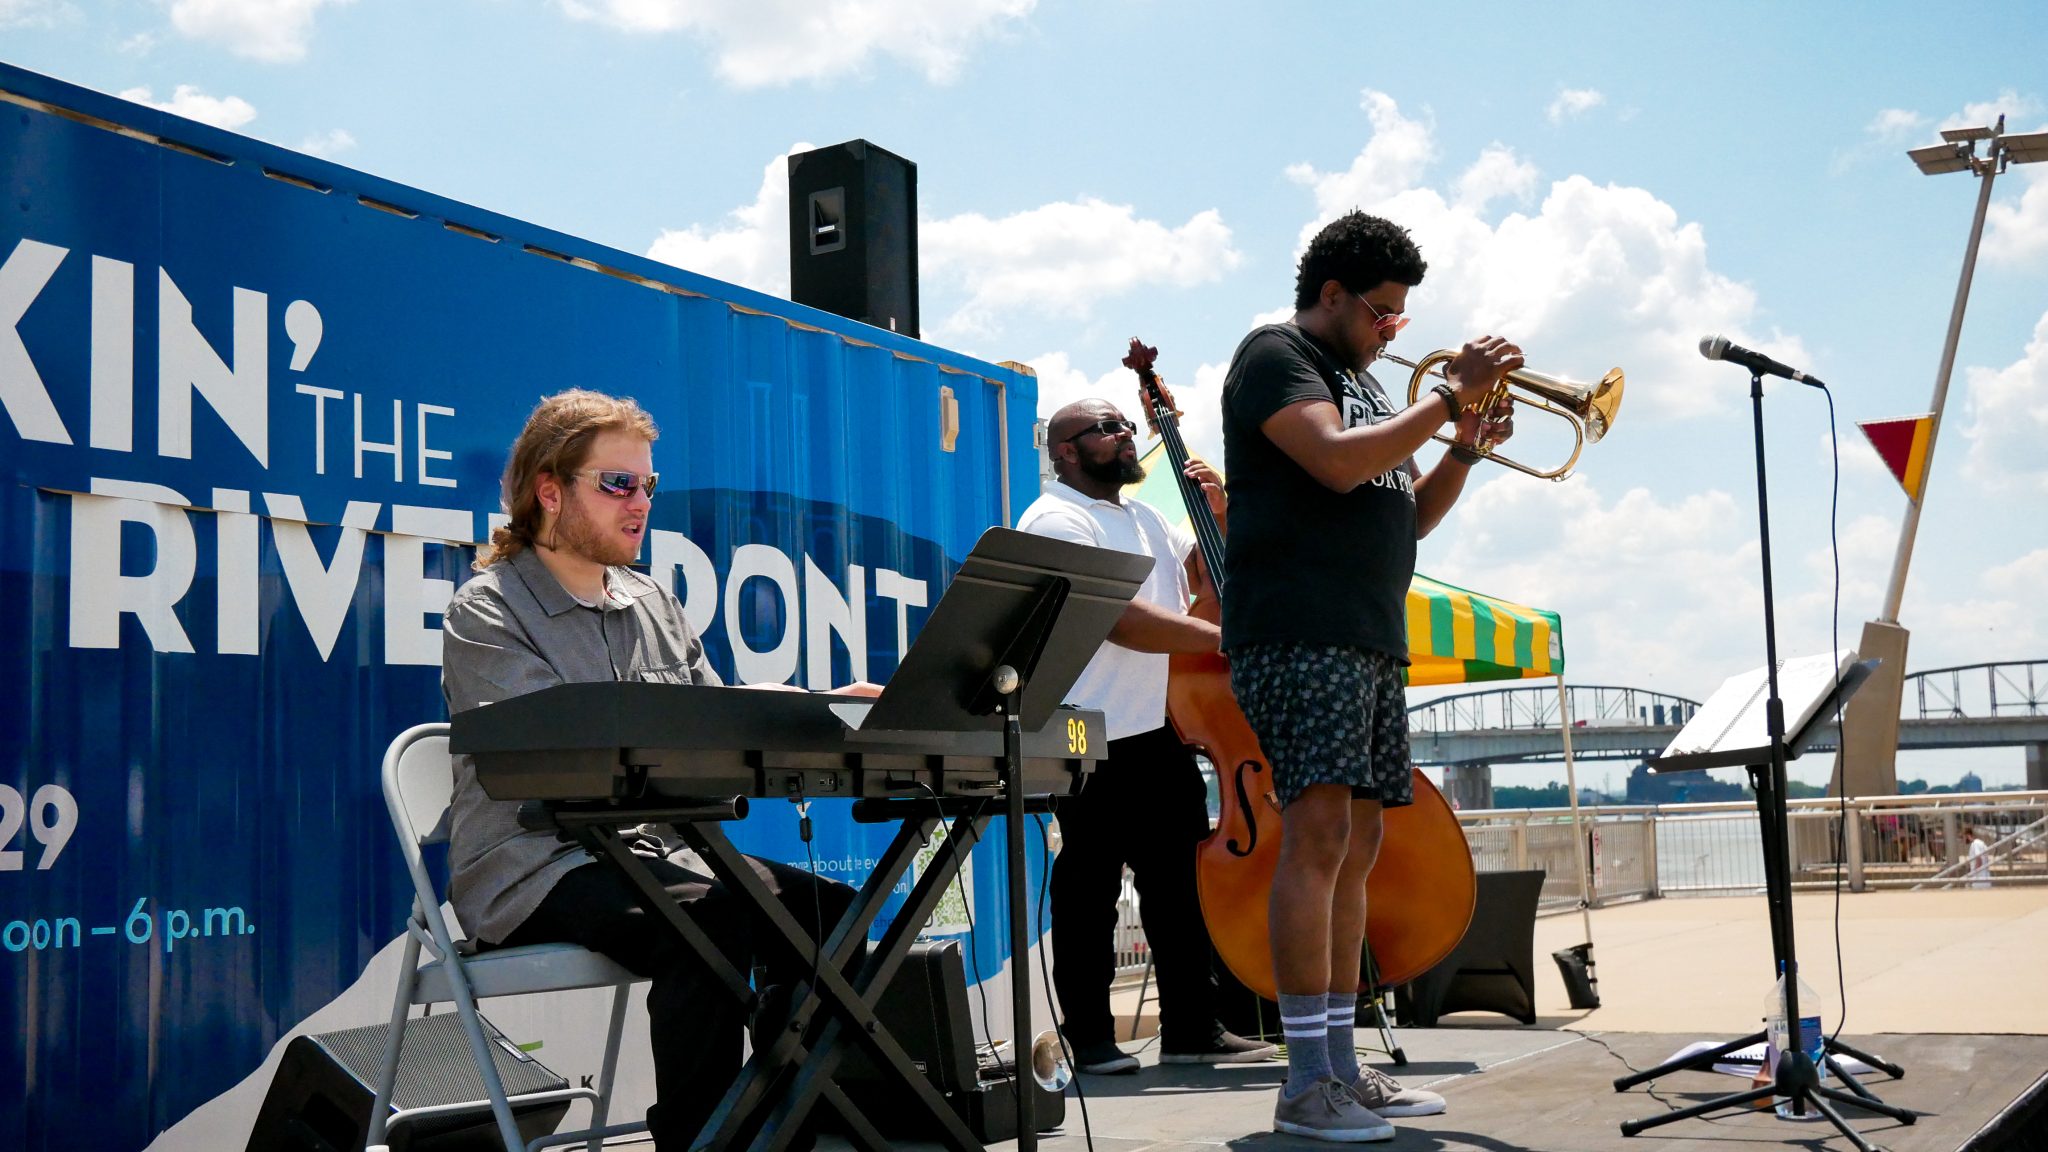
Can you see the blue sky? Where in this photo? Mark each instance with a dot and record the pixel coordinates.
(1604, 184)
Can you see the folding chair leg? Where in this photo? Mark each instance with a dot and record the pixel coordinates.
(602, 1104)
(480, 1049)
(394, 1039)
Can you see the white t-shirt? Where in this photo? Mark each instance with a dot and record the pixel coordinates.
(1128, 687)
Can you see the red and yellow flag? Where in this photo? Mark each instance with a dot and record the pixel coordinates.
(1902, 444)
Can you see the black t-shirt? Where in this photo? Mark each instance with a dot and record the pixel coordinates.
(1304, 563)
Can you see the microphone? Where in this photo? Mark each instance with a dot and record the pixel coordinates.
(1718, 348)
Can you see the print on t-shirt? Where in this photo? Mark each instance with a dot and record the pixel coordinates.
(1365, 403)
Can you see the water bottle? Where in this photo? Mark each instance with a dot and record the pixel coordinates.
(1778, 1038)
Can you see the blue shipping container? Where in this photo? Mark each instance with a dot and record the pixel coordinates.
(256, 405)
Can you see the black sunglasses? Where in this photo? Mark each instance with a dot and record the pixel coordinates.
(1105, 427)
(622, 484)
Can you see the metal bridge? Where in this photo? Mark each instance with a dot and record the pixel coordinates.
(1969, 706)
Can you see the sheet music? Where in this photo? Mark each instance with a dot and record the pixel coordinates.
(1745, 1061)
(1736, 716)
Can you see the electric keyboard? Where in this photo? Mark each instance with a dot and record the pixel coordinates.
(630, 741)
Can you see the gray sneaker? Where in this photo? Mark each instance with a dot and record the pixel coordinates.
(1384, 1095)
(1329, 1111)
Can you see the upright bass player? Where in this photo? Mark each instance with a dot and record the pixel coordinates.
(1145, 806)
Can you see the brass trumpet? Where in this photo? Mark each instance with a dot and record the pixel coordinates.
(1588, 408)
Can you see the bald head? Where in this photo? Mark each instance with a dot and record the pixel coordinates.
(1078, 415)
(1085, 456)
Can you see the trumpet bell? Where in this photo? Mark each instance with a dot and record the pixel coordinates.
(1594, 406)
(1601, 405)
(1590, 409)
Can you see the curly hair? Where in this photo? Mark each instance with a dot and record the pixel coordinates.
(556, 440)
(1359, 252)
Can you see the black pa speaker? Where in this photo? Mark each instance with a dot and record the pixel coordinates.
(853, 234)
(925, 1009)
(320, 1099)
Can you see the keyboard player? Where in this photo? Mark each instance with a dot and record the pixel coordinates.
(554, 603)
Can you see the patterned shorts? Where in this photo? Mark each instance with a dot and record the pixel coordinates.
(1327, 714)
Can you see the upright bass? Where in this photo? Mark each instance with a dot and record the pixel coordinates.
(1420, 896)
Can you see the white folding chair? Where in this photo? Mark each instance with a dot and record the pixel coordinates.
(418, 783)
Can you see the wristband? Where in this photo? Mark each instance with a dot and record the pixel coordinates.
(1451, 404)
(1464, 455)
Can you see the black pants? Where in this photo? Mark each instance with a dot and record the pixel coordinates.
(1146, 807)
(695, 1023)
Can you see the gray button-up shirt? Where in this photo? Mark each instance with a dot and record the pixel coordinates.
(513, 629)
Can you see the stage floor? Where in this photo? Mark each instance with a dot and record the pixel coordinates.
(1542, 1090)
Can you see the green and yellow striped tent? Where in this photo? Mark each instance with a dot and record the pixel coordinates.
(1455, 636)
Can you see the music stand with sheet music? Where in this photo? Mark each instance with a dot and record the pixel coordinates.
(1018, 622)
(1796, 1080)
(1733, 729)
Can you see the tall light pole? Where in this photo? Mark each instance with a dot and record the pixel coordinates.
(1868, 765)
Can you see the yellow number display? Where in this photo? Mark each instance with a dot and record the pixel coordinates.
(1077, 736)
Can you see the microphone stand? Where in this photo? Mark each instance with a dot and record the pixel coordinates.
(1797, 1080)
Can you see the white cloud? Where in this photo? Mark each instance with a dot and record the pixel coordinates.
(1860, 462)
(769, 42)
(2024, 577)
(1276, 316)
(1894, 124)
(1604, 274)
(1199, 397)
(2018, 110)
(1495, 174)
(273, 31)
(2005, 623)
(751, 248)
(1869, 544)
(1061, 382)
(328, 145)
(1653, 592)
(191, 103)
(1057, 259)
(1400, 151)
(2016, 231)
(35, 13)
(2007, 422)
(1574, 102)
(1062, 258)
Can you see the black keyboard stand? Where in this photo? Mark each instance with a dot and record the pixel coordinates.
(784, 1080)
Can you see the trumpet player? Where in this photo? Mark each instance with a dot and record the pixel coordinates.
(1326, 504)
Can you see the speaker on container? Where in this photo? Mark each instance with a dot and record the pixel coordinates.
(320, 1099)
(853, 234)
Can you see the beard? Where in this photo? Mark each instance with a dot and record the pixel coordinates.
(578, 533)
(1115, 470)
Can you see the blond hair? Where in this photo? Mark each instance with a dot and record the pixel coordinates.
(556, 440)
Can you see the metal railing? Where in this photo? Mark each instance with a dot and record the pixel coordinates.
(1645, 851)
(1716, 849)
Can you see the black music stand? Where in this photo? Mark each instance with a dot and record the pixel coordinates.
(1797, 1079)
(1020, 619)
